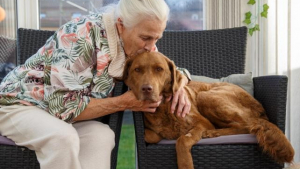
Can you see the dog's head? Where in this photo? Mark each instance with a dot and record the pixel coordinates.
(150, 75)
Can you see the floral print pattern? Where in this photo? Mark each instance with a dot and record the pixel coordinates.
(69, 69)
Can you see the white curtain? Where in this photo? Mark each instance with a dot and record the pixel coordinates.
(28, 14)
(274, 50)
(220, 14)
(284, 59)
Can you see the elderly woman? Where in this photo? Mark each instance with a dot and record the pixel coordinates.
(45, 102)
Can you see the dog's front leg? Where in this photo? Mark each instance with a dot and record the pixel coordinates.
(151, 136)
(183, 147)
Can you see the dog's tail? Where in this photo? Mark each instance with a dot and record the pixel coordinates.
(272, 140)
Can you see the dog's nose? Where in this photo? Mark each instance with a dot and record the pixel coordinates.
(147, 88)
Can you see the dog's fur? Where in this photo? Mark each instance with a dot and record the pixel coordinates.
(216, 109)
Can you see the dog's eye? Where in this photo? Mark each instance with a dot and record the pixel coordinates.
(137, 69)
(159, 69)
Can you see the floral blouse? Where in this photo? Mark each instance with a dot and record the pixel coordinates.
(69, 69)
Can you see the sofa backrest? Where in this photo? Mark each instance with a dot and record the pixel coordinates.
(212, 53)
(29, 42)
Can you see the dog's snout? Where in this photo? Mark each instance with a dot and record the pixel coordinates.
(146, 88)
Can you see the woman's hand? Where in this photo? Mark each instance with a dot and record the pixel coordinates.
(133, 104)
(181, 100)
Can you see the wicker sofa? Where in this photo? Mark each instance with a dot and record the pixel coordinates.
(215, 53)
(8, 54)
(12, 156)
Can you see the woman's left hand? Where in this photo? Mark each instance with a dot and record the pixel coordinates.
(181, 100)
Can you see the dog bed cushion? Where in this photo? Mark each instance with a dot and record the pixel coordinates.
(6, 141)
(230, 139)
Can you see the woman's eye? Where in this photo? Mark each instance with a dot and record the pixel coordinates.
(137, 69)
(145, 38)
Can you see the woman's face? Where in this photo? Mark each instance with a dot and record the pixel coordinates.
(141, 37)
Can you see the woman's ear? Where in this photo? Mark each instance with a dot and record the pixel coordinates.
(120, 26)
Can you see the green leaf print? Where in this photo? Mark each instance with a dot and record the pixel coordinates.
(34, 60)
(78, 105)
(87, 80)
(55, 39)
(47, 69)
(94, 17)
(62, 105)
(47, 72)
(85, 49)
(81, 21)
(104, 45)
(14, 79)
(19, 75)
(5, 100)
(70, 28)
(74, 80)
(55, 101)
(95, 35)
(60, 55)
(103, 85)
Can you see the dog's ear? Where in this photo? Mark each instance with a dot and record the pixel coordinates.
(176, 76)
(126, 69)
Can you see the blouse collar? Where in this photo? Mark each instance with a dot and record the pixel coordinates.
(117, 54)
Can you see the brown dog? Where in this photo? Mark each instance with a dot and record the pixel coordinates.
(216, 109)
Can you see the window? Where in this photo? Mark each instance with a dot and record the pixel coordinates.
(54, 13)
(8, 29)
(184, 15)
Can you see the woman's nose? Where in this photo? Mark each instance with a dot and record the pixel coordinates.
(148, 47)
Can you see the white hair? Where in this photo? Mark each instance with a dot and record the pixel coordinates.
(131, 12)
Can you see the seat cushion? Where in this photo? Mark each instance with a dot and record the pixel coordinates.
(230, 139)
(6, 141)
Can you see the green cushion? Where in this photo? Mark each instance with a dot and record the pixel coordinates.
(242, 80)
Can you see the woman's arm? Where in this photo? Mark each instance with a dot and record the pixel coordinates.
(101, 107)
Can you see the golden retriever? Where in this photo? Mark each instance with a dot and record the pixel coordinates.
(216, 109)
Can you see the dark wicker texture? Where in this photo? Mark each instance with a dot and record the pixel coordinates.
(215, 53)
(271, 91)
(7, 48)
(8, 53)
(29, 41)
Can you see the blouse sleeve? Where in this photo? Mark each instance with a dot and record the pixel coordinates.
(185, 72)
(81, 72)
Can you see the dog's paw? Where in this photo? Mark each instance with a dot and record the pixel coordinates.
(210, 134)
